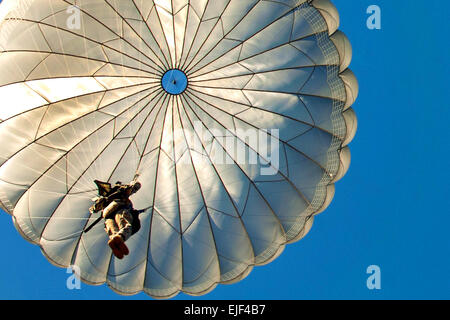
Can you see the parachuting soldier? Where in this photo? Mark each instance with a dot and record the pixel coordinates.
(121, 219)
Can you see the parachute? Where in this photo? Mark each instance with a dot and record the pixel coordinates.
(235, 114)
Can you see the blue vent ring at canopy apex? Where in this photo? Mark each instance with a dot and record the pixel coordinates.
(85, 97)
(174, 81)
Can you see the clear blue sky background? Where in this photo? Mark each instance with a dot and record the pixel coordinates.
(391, 209)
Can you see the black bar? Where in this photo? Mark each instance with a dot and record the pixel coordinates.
(93, 224)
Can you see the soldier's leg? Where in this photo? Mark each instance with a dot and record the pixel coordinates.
(124, 220)
(110, 210)
(111, 227)
(112, 230)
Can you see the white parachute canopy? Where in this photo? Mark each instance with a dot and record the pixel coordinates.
(235, 115)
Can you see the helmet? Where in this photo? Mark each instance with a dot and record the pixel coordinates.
(136, 186)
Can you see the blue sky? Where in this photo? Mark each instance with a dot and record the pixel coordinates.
(390, 210)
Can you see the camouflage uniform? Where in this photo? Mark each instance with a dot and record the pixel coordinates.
(118, 214)
(121, 219)
(119, 223)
